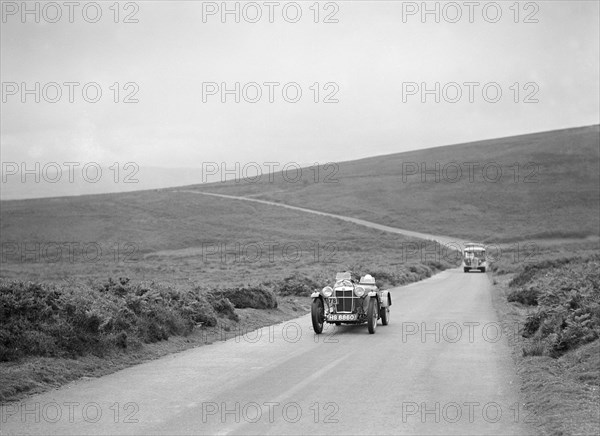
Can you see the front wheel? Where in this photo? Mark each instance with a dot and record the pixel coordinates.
(317, 315)
(372, 315)
(385, 315)
(466, 270)
(482, 269)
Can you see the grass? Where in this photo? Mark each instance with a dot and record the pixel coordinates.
(554, 301)
(554, 194)
(183, 238)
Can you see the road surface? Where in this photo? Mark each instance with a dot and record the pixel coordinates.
(442, 366)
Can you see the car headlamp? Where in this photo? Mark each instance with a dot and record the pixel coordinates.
(327, 291)
(359, 291)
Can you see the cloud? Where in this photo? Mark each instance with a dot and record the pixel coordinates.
(368, 55)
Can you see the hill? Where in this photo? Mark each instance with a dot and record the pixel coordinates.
(542, 185)
(182, 238)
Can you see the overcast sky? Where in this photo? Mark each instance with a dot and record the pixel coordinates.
(371, 54)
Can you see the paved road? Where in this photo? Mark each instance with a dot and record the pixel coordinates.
(440, 367)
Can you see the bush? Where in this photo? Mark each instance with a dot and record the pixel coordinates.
(530, 271)
(403, 274)
(386, 279)
(70, 320)
(255, 297)
(436, 265)
(527, 296)
(223, 307)
(532, 324)
(297, 285)
(568, 297)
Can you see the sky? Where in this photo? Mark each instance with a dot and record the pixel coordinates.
(372, 61)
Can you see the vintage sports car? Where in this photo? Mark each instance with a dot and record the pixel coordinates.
(474, 258)
(350, 301)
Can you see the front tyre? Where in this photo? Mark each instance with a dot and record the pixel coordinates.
(372, 315)
(466, 270)
(385, 315)
(317, 315)
(482, 269)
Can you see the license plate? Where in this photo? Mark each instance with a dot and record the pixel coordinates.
(342, 317)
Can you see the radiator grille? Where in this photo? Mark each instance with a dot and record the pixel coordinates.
(344, 300)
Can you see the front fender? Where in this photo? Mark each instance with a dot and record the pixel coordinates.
(364, 303)
(386, 299)
(325, 301)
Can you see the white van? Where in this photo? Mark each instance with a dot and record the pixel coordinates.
(474, 258)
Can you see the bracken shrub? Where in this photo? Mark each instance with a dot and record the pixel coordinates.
(528, 296)
(296, 285)
(437, 265)
(532, 324)
(72, 319)
(251, 296)
(568, 300)
(529, 271)
(403, 274)
(223, 306)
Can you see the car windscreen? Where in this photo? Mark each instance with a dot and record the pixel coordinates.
(474, 253)
(343, 276)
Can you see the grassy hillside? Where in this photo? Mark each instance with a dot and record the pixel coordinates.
(182, 238)
(554, 193)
